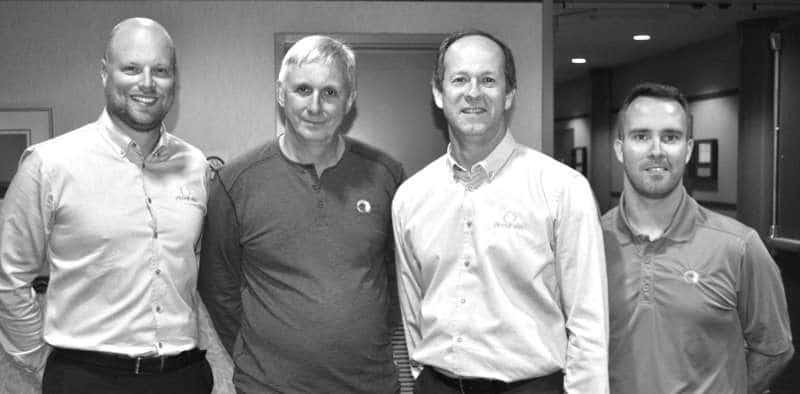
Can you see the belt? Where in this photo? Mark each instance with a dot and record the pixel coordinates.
(132, 365)
(477, 385)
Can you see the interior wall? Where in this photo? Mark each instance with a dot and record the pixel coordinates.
(226, 58)
(703, 68)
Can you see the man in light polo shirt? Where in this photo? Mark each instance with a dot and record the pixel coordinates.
(697, 304)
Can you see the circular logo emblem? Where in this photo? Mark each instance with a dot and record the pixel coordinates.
(363, 206)
(691, 276)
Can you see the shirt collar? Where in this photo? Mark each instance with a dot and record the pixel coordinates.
(491, 164)
(124, 145)
(680, 229)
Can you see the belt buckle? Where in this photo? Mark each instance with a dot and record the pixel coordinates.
(137, 369)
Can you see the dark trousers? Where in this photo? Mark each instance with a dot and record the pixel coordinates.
(63, 375)
(432, 382)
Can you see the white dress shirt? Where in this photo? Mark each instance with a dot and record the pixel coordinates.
(117, 232)
(501, 270)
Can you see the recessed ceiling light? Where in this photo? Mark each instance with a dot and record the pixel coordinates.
(641, 37)
(578, 60)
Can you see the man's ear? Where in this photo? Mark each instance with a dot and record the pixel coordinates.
(618, 150)
(103, 71)
(510, 99)
(437, 96)
(280, 93)
(690, 144)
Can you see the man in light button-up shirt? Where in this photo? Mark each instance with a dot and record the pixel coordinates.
(113, 210)
(500, 261)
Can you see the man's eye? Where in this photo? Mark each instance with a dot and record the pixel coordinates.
(330, 92)
(303, 90)
(488, 80)
(670, 138)
(162, 71)
(130, 69)
(459, 80)
(640, 137)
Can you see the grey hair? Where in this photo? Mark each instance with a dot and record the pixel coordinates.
(324, 49)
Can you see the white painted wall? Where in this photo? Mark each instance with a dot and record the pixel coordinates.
(226, 56)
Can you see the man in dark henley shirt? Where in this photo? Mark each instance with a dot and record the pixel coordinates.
(297, 251)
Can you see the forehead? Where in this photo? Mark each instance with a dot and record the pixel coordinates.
(473, 53)
(317, 73)
(655, 114)
(141, 44)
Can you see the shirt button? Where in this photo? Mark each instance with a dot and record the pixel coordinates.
(158, 308)
(320, 204)
(469, 223)
(463, 301)
(316, 188)
(160, 345)
(158, 271)
(459, 339)
(149, 201)
(466, 263)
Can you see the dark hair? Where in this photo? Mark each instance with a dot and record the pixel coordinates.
(508, 58)
(659, 91)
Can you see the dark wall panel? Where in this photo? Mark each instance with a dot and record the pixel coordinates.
(788, 214)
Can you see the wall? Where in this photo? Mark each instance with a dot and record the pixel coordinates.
(225, 105)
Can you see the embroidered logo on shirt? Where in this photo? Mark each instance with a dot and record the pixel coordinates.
(184, 194)
(691, 277)
(510, 220)
(363, 206)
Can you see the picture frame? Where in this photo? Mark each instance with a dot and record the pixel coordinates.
(19, 129)
(704, 164)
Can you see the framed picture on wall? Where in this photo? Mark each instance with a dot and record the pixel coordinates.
(20, 128)
(704, 163)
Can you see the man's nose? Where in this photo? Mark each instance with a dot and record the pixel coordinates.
(315, 106)
(656, 149)
(474, 90)
(148, 82)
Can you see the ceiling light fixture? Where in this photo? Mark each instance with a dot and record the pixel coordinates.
(641, 37)
(578, 60)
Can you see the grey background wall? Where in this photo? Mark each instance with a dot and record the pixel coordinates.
(226, 56)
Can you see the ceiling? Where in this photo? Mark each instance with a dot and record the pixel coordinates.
(602, 31)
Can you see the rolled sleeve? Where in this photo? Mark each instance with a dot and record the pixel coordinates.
(24, 221)
(580, 261)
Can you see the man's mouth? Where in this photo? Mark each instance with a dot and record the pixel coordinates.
(146, 100)
(656, 169)
(473, 111)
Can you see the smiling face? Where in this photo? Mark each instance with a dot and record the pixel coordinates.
(655, 146)
(315, 98)
(138, 75)
(474, 96)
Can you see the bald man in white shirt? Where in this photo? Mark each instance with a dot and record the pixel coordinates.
(114, 209)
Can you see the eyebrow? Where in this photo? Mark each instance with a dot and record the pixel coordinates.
(645, 130)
